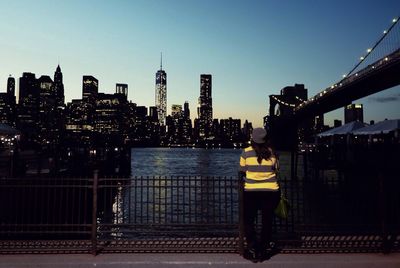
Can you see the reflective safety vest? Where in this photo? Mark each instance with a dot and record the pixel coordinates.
(259, 177)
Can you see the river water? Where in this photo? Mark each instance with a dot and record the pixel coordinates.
(191, 162)
(181, 186)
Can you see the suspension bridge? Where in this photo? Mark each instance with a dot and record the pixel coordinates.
(377, 70)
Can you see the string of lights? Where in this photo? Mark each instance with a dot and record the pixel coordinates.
(369, 50)
(350, 75)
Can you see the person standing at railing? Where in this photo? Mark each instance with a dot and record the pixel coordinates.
(258, 167)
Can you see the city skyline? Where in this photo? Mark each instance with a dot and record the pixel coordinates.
(252, 49)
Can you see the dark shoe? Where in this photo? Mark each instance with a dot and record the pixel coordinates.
(267, 253)
(250, 254)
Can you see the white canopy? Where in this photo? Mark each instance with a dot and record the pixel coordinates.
(384, 127)
(342, 130)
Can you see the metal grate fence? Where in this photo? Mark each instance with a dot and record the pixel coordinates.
(187, 214)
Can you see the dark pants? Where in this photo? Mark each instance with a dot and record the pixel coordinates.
(253, 202)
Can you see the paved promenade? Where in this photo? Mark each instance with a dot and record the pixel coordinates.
(364, 260)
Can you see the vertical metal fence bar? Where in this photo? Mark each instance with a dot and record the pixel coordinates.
(190, 188)
(241, 219)
(167, 183)
(141, 198)
(94, 213)
(159, 198)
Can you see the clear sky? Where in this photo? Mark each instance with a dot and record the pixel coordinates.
(252, 48)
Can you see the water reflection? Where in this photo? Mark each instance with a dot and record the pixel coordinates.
(178, 186)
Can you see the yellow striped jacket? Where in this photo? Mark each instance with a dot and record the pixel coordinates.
(259, 177)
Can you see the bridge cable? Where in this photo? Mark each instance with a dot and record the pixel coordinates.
(376, 44)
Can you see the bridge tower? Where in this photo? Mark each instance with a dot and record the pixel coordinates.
(284, 131)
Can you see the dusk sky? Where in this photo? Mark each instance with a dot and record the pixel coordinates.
(252, 48)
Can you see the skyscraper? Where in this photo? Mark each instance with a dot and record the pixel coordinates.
(11, 86)
(161, 94)
(204, 111)
(353, 112)
(90, 88)
(59, 87)
(176, 111)
(7, 103)
(28, 105)
(122, 89)
(186, 110)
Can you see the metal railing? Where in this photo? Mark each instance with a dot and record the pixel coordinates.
(187, 214)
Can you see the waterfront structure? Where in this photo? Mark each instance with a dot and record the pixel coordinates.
(90, 88)
(353, 112)
(161, 95)
(205, 111)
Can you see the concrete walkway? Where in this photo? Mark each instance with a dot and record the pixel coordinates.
(199, 260)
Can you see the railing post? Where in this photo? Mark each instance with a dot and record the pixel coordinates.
(241, 217)
(382, 210)
(94, 213)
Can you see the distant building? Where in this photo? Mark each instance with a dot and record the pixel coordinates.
(186, 110)
(90, 88)
(153, 114)
(79, 121)
(353, 112)
(59, 87)
(7, 104)
(319, 123)
(161, 95)
(122, 89)
(247, 130)
(5, 109)
(176, 111)
(79, 116)
(230, 129)
(11, 86)
(108, 113)
(47, 110)
(28, 106)
(187, 123)
(205, 110)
